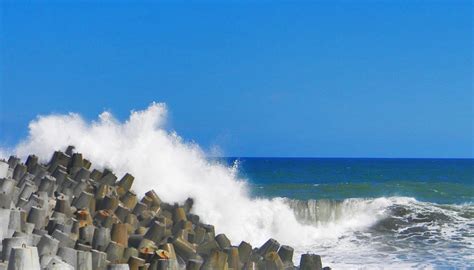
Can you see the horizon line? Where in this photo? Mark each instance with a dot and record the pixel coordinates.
(316, 157)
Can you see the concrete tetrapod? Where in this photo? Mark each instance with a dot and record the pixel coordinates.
(310, 262)
(66, 215)
(24, 258)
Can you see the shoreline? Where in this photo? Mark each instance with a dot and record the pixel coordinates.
(63, 215)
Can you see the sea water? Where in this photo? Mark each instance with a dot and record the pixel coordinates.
(423, 208)
(355, 213)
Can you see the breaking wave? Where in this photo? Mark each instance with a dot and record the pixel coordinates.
(393, 231)
(161, 160)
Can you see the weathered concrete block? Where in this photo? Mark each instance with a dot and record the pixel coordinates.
(156, 232)
(99, 260)
(63, 205)
(48, 245)
(120, 234)
(122, 212)
(68, 183)
(139, 208)
(83, 200)
(95, 175)
(9, 243)
(132, 221)
(27, 189)
(184, 249)
(209, 229)
(7, 185)
(199, 233)
(169, 251)
(76, 163)
(64, 239)
(28, 228)
(155, 200)
(271, 245)
(273, 261)
(37, 216)
(81, 186)
(193, 264)
(69, 255)
(233, 258)
(165, 264)
(70, 150)
(223, 241)
(286, 255)
(245, 249)
(19, 171)
(208, 247)
(114, 252)
(130, 252)
(31, 163)
(57, 264)
(217, 260)
(59, 158)
(4, 222)
(33, 239)
(3, 169)
(250, 266)
(108, 178)
(60, 173)
(39, 173)
(310, 262)
(47, 185)
(13, 161)
(84, 218)
(44, 260)
(65, 228)
(101, 238)
(109, 202)
(129, 199)
(16, 221)
(125, 184)
(86, 234)
(147, 249)
(135, 262)
(179, 215)
(84, 260)
(24, 258)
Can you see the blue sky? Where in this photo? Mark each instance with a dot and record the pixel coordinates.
(325, 79)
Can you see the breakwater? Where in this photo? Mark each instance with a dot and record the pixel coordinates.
(66, 215)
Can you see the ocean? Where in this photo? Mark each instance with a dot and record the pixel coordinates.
(383, 212)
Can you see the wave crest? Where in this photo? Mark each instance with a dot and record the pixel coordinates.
(161, 160)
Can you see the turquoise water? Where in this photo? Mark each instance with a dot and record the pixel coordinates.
(420, 211)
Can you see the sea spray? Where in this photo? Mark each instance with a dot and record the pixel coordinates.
(176, 169)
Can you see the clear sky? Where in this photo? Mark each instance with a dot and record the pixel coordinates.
(325, 79)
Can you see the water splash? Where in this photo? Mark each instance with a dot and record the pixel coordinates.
(161, 160)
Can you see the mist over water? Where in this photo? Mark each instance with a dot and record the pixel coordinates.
(350, 231)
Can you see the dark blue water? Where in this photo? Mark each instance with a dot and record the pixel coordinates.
(448, 181)
(395, 213)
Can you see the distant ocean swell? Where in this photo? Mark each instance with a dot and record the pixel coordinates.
(439, 192)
